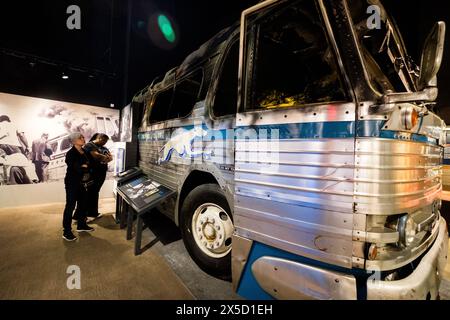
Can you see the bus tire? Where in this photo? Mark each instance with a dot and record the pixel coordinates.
(207, 226)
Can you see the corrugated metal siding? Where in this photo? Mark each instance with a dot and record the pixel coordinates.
(302, 204)
(395, 176)
(168, 173)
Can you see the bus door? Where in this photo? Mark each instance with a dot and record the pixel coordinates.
(295, 135)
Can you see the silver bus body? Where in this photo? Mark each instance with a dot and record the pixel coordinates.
(329, 200)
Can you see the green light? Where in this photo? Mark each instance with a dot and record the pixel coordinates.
(166, 28)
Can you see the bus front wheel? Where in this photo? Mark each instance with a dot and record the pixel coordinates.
(207, 228)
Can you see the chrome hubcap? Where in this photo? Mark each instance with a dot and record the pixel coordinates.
(212, 229)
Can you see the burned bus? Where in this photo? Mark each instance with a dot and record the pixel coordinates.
(305, 153)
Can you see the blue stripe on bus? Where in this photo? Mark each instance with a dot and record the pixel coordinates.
(305, 130)
(373, 128)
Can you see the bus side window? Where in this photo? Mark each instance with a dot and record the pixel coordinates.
(54, 146)
(186, 95)
(65, 144)
(101, 125)
(225, 100)
(294, 63)
(161, 106)
(109, 127)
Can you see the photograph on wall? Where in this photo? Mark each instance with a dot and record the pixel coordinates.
(126, 123)
(34, 136)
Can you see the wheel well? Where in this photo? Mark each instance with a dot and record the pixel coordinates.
(194, 179)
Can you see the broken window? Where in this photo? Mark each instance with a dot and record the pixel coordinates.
(66, 144)
(161, 106)
(293, 61)
(186, 95)
(225, 100)
(54, 146)
(178, 100)
(383, 50)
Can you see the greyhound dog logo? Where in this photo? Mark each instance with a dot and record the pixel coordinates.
(182, 144)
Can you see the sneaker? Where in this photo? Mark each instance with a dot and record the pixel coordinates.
(84, 228)
(92, 219)
(69, 236)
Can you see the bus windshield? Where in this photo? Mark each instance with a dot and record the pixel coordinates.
(388, 64)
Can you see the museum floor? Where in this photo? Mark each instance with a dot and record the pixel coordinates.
(34, 260)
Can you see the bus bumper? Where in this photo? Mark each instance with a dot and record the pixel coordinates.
(424, 282)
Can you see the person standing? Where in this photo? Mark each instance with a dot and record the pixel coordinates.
(11, 139)
(78, 168)
(100, 156)
(40, 156)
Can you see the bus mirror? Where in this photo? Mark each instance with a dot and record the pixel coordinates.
(432, 56)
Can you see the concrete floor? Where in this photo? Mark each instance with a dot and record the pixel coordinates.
(34, 260)
(164, 236)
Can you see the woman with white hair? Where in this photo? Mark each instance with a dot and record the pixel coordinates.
(76, 182)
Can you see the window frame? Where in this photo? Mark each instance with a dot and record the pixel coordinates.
(249, 52)
(172, 87)
(63, 141)
(211, 97)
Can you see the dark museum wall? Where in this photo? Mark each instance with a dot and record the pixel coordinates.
(114, 54)
(36, 47)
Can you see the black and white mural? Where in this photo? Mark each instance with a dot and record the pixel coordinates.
(126, 123)
(34, 136)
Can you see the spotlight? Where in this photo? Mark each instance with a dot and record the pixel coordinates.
(163, 31)
(166, 28)
(64, 76)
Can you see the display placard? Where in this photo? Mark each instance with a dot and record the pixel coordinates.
(126, 175)
(143, 193)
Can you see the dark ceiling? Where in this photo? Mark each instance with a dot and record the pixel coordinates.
(36, 46)
(113, 56)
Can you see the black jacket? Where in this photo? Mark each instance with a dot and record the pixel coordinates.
(74, 161)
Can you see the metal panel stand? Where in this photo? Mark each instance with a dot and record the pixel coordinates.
(130, 214)
(140, 222)
(135, 198)
(137, 242)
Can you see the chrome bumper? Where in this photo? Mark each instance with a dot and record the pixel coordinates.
(424, 280)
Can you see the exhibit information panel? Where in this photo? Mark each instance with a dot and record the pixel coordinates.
(143, 193)
(124, 176)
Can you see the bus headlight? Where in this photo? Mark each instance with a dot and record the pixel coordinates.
(405, 226)
(407, 229)
(409, 226)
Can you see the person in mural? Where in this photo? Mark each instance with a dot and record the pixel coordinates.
(17, 174)
(14, 152)
(77, 174)
(100, 156)
(40, 156)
